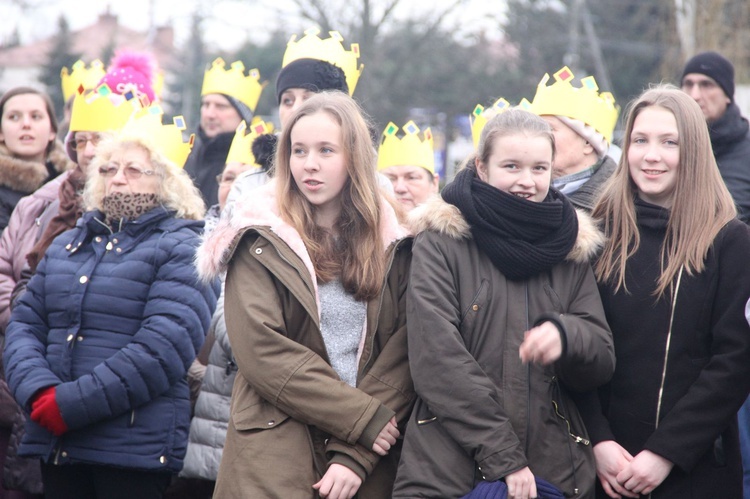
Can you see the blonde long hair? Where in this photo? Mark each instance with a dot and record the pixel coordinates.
(176, 191)
(358, 257)
(701, 203)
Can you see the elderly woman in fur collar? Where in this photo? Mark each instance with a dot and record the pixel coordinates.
(29, 153)
(504, 322)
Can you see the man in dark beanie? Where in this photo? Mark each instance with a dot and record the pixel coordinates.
(709, 79)
(227, 98)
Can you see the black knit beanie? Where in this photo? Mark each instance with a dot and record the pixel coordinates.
(312, 74)
(714, 66)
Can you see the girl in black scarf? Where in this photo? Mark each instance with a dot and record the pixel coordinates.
(504, 320)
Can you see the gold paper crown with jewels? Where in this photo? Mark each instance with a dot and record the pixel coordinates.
(584, 103)
(480, 116)
(80, 78)
(241, 150)
(146, 126)
(411, 149)
(233, 82)
(102, 110)
(330, 50)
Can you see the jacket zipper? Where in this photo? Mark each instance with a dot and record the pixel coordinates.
(576, 438)
(528, 378)
(666, 352)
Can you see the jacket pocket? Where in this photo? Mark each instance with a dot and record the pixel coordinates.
(474, 308)
(424, 415)
(261, 416)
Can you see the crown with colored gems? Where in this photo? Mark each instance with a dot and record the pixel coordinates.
(233, 82)
(80, 78)
(146, 125)
(481, 115)
(411, 149)
(102, 110)
(241, 150)
(584, 103)
(330, 50)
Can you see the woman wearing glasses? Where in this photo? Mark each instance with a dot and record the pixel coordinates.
(98, 347)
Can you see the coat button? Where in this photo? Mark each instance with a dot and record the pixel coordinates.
(258, 251)
(70, 337)
(67, 247)
(114, 240)
(271, 423)
(475, 307)
(83, 279)
(119, 250)
(98, 239)
(163, 460)
(80, 338)
(109, 246)
(64, 454)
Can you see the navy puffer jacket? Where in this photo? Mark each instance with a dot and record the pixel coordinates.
(113, 320)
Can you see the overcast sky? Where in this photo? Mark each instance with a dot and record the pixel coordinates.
(237, 21)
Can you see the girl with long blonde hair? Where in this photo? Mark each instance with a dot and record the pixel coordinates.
(674, 286)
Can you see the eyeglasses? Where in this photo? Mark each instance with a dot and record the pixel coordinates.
(130, 172)
(80, 142)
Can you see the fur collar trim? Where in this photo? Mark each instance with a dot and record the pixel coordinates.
(438, 216)
(27, 176)
(260, 209)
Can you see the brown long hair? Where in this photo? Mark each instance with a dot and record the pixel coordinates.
(701, 203)
(358, 255)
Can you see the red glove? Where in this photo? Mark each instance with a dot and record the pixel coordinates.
(46, 413)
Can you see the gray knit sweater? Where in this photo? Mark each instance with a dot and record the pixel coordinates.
(342, 320)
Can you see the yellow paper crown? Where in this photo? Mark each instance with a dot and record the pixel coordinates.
(584, 103)
(330, 50)
(146, 126)
(480, 116)
(241, 150)
(102, 110)
(233, 82)
(411, 149)
(80, 78)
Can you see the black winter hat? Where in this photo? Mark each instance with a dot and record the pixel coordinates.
(713, 65)
(313, 74)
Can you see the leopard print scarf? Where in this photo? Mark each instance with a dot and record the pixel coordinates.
(120, 207)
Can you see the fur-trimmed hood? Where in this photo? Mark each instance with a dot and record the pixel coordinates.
(438, 216)
(259, 208)
(27, 176)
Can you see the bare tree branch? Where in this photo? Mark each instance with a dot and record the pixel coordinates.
(315, 11)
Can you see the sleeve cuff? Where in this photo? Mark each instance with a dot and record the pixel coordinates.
(378, 421)
(557, 321)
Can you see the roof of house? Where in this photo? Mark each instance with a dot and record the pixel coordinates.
(93, 41)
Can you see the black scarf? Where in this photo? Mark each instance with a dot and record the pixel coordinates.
(520, 237)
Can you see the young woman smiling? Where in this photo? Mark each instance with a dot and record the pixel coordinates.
(674, 283)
